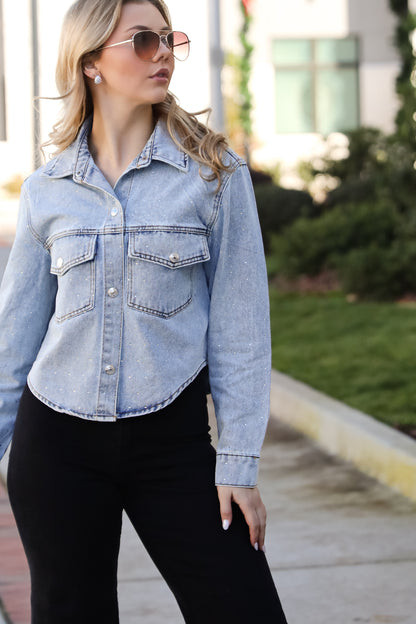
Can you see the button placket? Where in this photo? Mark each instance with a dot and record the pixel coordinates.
(113, 254)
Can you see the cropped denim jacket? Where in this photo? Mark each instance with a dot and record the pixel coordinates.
(114, 299)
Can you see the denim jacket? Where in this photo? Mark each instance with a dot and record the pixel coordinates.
(114, 299)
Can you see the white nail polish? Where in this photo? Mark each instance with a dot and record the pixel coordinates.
(256, 546)
(264, 548)
(225, 524)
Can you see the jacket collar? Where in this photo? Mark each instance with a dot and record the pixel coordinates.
(73, 161)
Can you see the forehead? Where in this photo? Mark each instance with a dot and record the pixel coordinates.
(140, 14)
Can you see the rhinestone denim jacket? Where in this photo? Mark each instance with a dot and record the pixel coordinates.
(114, 299)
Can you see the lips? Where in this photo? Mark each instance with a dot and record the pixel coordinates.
(161, 73)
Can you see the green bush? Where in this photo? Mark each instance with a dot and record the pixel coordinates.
(377, 166)
(352, 191)
(278, 207)
(380, 273)
(310, 246)
(260, 177)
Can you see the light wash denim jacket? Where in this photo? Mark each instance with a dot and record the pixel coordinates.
(113, 300)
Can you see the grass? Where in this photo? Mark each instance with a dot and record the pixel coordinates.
(363, 354)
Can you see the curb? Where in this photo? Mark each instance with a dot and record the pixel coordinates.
(375, 448)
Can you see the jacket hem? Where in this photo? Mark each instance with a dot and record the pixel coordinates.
(114, 417)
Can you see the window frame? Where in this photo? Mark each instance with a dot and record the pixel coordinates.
(314, 67)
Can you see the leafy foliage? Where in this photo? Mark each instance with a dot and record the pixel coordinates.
(310, 246)
(377, 166)
(406, 80)
(246, 100)
(278, 207)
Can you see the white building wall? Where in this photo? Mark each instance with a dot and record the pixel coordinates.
(378, 99)
(16, 153)
(374, 23)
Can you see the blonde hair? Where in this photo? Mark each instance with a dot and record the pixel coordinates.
(87, 25)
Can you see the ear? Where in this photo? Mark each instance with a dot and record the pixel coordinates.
(90, 68)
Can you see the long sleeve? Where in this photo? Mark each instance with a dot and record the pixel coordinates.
(27, 296)
(239, 349)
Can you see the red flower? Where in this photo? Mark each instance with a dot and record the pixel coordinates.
(246, 5)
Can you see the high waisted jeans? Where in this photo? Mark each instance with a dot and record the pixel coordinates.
(70, 479)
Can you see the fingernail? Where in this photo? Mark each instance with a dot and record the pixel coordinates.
(264, 548)
(225, 524)
(256, 546)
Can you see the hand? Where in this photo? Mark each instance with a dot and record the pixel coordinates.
(250, 503)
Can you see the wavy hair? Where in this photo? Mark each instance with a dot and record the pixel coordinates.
(86, 27)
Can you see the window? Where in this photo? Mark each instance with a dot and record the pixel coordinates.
(317, 86)
(2, 81)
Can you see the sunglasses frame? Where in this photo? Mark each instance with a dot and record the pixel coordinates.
(162, 39)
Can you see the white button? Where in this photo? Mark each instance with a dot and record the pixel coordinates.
(174, 257)
(59, 263)
(112, 292)
(114, 212)
(110, 370)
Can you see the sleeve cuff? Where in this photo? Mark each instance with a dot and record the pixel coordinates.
(236, 470)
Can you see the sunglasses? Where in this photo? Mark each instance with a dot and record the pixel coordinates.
(146, 44)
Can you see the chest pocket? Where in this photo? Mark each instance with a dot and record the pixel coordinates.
(72, 260)
(160, 270)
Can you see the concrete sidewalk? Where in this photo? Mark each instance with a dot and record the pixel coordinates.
(341, 546)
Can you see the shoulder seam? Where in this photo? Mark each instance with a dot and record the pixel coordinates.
(239, 162)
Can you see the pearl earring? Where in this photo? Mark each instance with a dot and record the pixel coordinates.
(98, 80)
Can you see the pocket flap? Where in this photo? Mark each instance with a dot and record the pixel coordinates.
(69, 251)
(172, 249)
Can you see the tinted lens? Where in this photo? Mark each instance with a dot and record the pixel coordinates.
(146, 44)
(179, 44)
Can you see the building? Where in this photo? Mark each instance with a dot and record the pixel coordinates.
(319, 66)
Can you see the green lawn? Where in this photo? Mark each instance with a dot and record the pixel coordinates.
(361, 353)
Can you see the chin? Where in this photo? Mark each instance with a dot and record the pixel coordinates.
(160, 99)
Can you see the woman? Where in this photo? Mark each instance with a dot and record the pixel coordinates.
(137, 265)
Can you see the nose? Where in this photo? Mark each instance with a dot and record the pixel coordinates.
(164, 48)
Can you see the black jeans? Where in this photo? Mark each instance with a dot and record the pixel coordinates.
(69, 480)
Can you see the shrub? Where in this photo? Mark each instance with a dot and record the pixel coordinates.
(380, 273)
(260, 177)
(353, 191)
(310, 246)
(377, 166)
(278, 207)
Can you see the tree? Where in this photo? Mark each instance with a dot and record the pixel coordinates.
(246, 102)
(406, 80)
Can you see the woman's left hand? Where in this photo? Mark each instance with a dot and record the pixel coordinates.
(250, 503)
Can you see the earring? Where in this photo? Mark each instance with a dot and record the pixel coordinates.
(98, 80)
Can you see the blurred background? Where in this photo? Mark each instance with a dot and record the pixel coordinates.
(319, 97)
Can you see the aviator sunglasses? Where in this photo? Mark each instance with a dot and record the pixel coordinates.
(146, 44)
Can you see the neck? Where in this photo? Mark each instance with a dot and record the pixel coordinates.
(118, 136)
